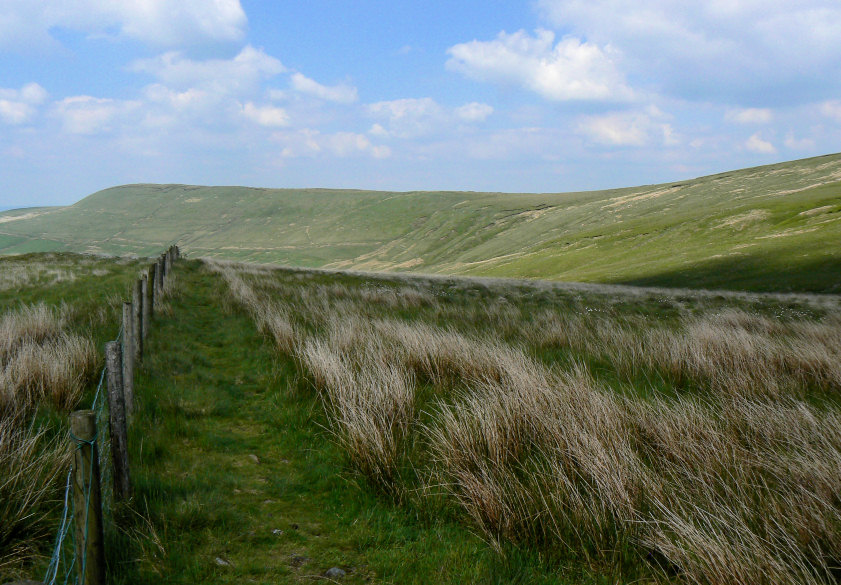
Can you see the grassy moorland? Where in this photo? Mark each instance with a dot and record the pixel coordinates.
(452, 430)
(770, 228)
(635, 434)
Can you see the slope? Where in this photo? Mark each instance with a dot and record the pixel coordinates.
(767, 228)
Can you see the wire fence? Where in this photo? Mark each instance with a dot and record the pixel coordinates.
(62, 567)
(69, 559)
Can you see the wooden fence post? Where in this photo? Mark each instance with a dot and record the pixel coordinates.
(117, 422)
(161, 274)
(137, 318)
(87, 500)
(128, 358)
(153, 286)
(146, 293)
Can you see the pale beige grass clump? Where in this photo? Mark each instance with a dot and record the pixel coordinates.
(29, 465)
(732, 352)
(540, 457)
(370, 404)
(39, 361)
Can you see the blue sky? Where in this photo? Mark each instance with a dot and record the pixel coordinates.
(548, 95)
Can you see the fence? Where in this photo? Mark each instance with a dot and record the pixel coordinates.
(100, 478)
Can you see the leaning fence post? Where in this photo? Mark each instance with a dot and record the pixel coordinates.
(117, 422)
(137, 318)
(128, 358)
(87, 500)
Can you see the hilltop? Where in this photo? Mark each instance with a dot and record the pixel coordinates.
(774, 227)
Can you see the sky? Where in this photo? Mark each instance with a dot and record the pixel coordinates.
(512, 96)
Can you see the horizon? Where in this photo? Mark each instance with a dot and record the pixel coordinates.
(549, 96)
(298, 188)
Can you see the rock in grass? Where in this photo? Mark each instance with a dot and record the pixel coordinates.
(335, 573)
(222, 562)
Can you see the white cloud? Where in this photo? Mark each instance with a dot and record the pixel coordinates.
(750, 116)
(831, 109)
(308, 142)
(738, 51)
(155, 22)
(627, 128)
(19, 106)
(798, 143)
(416, 117)
(756, 144)
(410, 117)
(343, 94)
(474, 112)
(89, 115)
(270, 116)
(568, 70)
(177, 100)
(236, 76)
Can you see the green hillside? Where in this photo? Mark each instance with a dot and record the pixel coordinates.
(774, 227)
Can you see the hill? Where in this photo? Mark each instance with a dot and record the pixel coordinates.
(774, 227)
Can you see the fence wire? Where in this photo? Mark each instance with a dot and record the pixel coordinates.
(62, 567)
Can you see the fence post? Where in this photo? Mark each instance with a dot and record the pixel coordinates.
(128, 358)
(87, 500)
(137, 318)
(152, 286)
(145, 293)
(160, 272)
(117, 422)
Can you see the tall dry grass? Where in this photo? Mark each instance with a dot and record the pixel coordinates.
(41, 364)
(40, 361)
(731, 352)
(738, 480)
(30, 463)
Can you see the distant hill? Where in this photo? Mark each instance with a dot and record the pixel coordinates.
(776, 227)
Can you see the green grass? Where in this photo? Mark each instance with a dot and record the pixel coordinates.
(771, 228)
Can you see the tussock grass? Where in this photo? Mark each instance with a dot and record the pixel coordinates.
(40, 361)
(55, 309)
(30, 463)
(724, 469)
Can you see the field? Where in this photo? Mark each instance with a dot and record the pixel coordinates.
(417, 429)
(773, 228)
(640, 433)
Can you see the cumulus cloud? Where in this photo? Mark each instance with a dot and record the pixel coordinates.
(633, 128)
(758, 145)
(89, 115)
(239, 75)
(746, 51)
(155, 22)
(343, 94)
(308, 142)
(415, 117)
(19, 106)
(750, 116)
(270, 116)
(568, 70)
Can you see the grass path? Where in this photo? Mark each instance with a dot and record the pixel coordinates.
(241, 483)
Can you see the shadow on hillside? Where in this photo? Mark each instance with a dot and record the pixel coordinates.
(752, 273)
